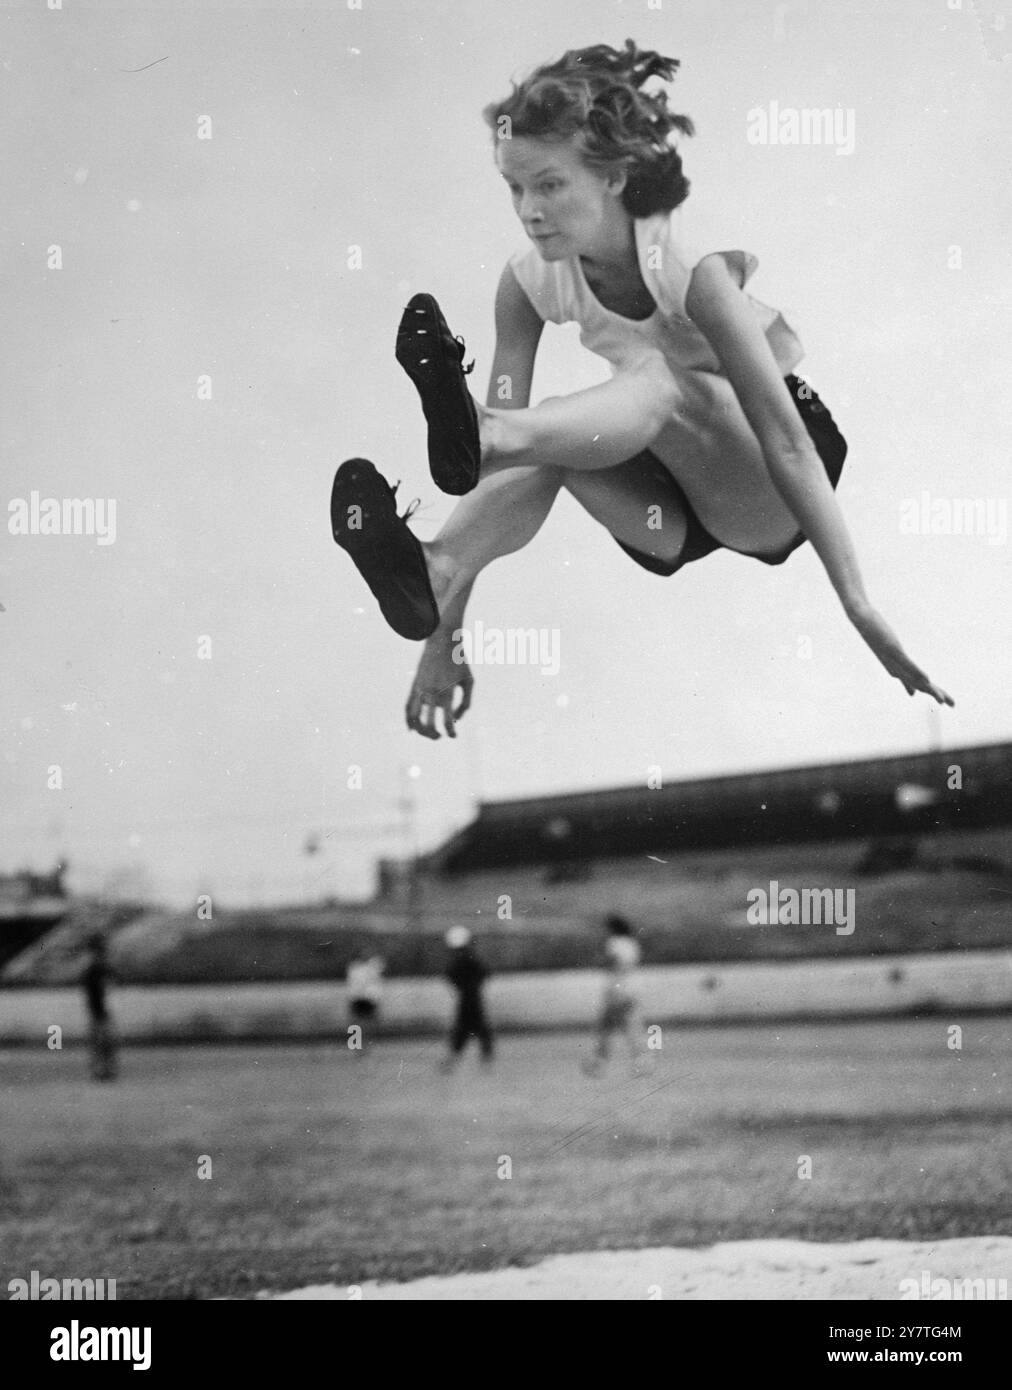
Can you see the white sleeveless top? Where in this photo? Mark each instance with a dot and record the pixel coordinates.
(560, 294)
(708, 444)
(623, 956)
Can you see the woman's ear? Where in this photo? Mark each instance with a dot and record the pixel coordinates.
(616, 180)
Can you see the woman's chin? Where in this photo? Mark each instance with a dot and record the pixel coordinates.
(552, 249)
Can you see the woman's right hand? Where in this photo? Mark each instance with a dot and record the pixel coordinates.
(435, 687)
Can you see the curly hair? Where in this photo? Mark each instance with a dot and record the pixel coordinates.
(596, 94)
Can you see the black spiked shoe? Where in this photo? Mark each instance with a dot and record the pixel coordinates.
(433, 358)
(365, 523)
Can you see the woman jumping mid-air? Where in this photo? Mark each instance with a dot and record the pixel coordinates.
(703, 438)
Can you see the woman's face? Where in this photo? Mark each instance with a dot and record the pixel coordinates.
(566, 209)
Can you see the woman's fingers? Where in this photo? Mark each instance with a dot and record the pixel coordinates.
(928, 686)
(420, 711)
(452, 714)
(423, 724)
(433, 702)
(446, 705)
(909, 673)
(886, 646)
(411, 708)
(939, 694)
(466, 686)
(418, 714)
(915, 679)
(413, 711)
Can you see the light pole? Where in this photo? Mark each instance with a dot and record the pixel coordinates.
(413, 899)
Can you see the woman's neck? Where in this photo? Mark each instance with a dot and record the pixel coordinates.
(615, 255)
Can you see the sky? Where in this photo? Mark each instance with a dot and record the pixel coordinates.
(180, 706)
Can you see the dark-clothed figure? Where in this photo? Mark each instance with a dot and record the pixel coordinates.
(96, 979)
(467, 974)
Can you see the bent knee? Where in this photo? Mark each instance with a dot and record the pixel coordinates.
(662, 386)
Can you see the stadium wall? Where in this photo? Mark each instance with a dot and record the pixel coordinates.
(947, 986)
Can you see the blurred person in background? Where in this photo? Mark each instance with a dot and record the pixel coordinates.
(467, 974)
(365, 987)
(619, 1003)
(95, 981)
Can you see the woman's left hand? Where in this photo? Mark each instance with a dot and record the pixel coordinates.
(886, 646)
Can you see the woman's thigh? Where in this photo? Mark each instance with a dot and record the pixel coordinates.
(714, 456)
(638, 502)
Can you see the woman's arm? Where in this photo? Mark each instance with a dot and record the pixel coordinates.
(517, 334)
(717, 305)
(518, 329)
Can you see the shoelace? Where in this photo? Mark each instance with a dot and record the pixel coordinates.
(412, 506)
(461, 348)
(463, 351)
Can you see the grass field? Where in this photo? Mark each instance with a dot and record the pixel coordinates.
(332, 1166)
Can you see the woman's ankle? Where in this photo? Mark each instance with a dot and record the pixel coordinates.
(501, 435)
(447, 578)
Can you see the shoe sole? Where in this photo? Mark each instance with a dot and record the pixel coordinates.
(385, 552)
(454, 448)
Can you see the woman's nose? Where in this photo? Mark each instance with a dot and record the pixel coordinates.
(529, 211)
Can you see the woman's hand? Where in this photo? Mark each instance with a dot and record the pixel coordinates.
(435, 686)
(886, 646)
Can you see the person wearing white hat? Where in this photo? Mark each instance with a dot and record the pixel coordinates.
(467, 974)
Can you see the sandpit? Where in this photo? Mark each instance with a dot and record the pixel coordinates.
(742, 1270)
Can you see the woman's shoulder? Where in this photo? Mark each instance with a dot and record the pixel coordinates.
(669, 256)
(666, 260)
(661, 237)
(547, 284)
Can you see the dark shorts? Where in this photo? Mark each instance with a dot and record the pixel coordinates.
(616, 1012)
(471, 1022)
(363, 1008)
(831, 447)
